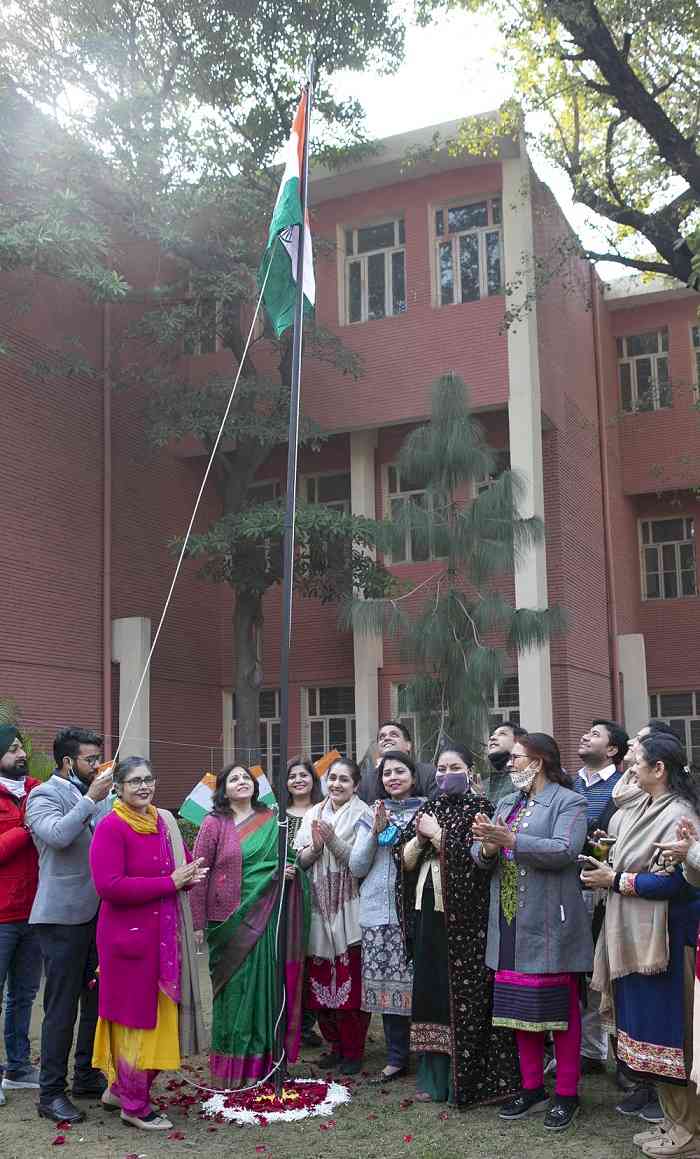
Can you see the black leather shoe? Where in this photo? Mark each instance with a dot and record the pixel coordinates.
(526, 1103)
(60, 1110)
(92, 1088)
(562, 1113)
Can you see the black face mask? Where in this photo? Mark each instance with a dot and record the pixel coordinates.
(499, 761)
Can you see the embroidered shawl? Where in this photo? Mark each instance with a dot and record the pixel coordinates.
(484, 1061)
(335, 898)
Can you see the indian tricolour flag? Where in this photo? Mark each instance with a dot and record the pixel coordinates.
(282, 253)
(195, 807)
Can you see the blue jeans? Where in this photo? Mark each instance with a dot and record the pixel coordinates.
(397, 1034)
(20, 974)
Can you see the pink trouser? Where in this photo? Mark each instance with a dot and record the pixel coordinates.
(133, 1089)
(567, 1050)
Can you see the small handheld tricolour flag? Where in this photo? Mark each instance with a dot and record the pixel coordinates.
(278, 269)
(196, 806)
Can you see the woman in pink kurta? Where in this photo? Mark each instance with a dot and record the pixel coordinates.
(139, 944)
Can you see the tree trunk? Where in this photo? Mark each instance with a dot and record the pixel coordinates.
(247, 624)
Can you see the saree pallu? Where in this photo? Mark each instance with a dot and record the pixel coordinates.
(242, 961)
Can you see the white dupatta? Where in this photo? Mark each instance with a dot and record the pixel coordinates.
(335, 898)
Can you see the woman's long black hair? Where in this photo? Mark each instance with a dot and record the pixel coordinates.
(661, 746)
(221, 803)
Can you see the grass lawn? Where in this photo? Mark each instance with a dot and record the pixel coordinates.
(379, 1122)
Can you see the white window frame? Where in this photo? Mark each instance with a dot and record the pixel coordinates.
(500, 710)
(497, 713)
(689, 539)
(363, 258)
(276, 484)
(492, 200)
(343, 505)
(695, 350)
(405, 495)
(632, 361)
(656, 710)
(267, 722)
(502, 464)
(196, 343)
(309, 718)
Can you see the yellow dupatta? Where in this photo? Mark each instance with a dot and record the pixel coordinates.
(139, 822)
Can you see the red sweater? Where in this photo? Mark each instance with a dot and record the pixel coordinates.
(19, 862)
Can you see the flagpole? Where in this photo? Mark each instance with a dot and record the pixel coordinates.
(280, 780)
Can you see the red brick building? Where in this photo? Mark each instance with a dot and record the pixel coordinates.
(590, 392)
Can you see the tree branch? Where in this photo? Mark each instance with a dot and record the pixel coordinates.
(586, 27)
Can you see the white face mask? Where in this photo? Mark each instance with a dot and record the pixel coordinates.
(523, 779)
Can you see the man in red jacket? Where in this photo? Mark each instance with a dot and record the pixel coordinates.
(20, 954)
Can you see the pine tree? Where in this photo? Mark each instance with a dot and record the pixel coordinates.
(175, 114)
(457, 627)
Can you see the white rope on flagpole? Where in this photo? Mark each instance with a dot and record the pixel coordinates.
(188, 533)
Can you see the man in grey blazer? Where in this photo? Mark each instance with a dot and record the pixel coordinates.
(61, 816)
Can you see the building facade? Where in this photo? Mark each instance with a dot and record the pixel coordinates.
(588, 391)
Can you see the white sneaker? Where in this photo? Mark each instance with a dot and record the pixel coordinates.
(152, 1122)
(29, 1081)
(656, 1132)
(3, 1100)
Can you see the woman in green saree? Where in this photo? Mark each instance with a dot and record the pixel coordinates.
(238, 907)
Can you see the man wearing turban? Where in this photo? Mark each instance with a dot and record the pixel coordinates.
(20, 953)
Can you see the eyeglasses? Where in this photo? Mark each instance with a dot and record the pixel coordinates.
(93, 762)
(140, 782)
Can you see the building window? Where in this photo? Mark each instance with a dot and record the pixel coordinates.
(680, 710)
(425, 730)
(270, 730)
(269, 753)
(668, 558)
(331, 490)
(502, 463)
(695, 338)
(375, 271)
(469, 251)
(643, 371)
(401, 491)
(506, 703)
(265, 492)
(330, 721)
(205, 338)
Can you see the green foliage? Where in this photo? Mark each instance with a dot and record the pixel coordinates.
(607, 92)
(172, 114)
(456, 628)
(188, 831)
(40, 764)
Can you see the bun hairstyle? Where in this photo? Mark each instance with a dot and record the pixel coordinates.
(540, 746)
(661, 746)
(221, 804)
(393, 755)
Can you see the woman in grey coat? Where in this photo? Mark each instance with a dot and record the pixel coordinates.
(539, 937)
(387, 978)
